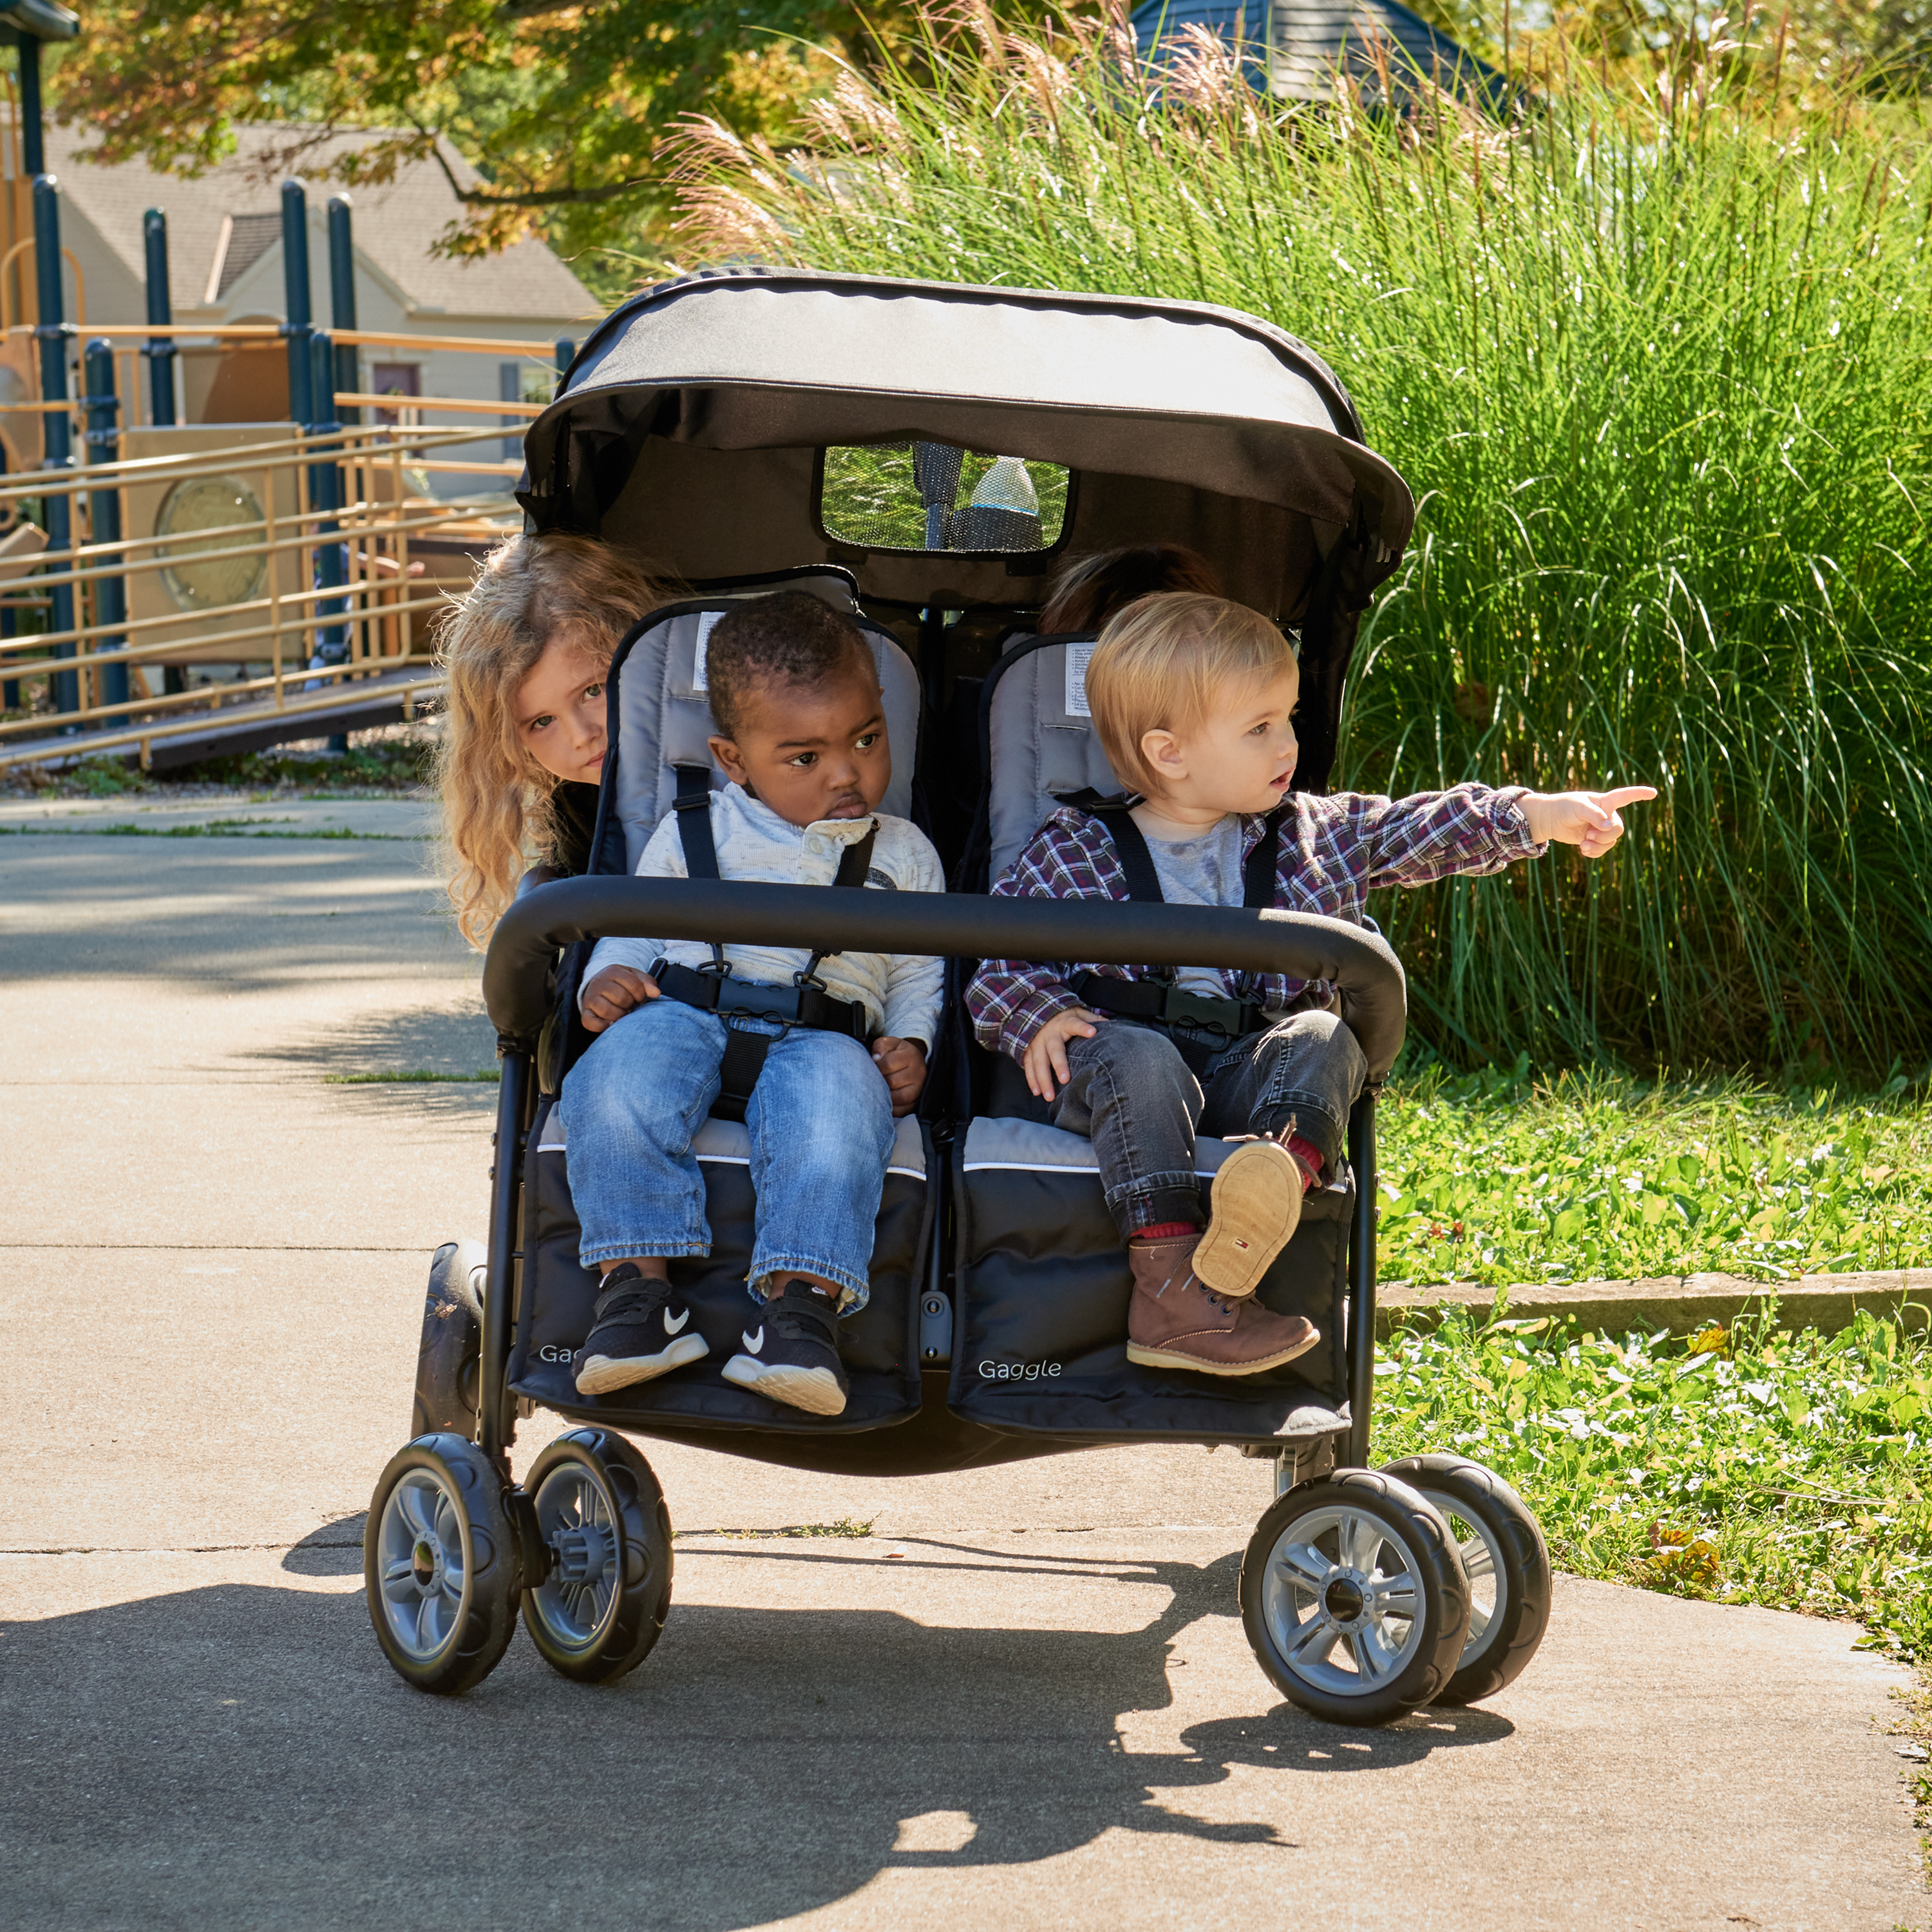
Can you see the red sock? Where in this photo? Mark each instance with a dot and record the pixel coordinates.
(1164, 1231)
(1309, 1156)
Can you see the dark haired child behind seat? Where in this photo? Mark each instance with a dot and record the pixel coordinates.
(1088, 590)
(801, 734)
(1192, 698)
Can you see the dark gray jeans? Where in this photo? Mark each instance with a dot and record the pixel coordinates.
(1132, 1092)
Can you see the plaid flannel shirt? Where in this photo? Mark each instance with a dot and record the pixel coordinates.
(1334, 851)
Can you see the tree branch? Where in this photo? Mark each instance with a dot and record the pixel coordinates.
(544, 197)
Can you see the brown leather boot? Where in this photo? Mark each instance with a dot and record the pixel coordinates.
(1175, 1321)
(1256, 1208)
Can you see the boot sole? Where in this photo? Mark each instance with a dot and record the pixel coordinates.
(812, 1389)
(1167, 1358)
(602, 1373)
(1254, 1208)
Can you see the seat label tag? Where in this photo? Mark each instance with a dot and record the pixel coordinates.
(1077, 655)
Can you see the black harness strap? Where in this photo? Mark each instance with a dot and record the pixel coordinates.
(715, 989)
(1156, 997)
(693, 807)
(1261, 873)
(1130, 847)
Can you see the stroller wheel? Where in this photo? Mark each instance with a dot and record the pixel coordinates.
(439, 1564)
(597, 1602)
(1354, 1597)
(1508, 1564)
(448, 1356)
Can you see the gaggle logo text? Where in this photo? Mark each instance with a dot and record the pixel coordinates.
(1018, 1372)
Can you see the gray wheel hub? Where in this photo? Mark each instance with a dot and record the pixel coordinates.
(1483, 1561)
(582, 1551)
(419, 1558)
(1340, 1580)
(579, 1598)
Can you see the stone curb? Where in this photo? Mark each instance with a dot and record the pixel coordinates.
(1683, 1304)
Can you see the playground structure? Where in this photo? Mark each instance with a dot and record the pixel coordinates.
(185, 588)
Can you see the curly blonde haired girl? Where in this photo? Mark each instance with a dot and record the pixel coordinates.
(525, 654)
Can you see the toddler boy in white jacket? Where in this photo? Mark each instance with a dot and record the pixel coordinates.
(802, 735)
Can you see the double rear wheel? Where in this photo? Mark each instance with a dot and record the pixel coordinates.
(599, 1589)
(451, 1552)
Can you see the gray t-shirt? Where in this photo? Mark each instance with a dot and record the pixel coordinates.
(1206, 871)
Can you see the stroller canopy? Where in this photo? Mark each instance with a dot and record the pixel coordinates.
(691, 427)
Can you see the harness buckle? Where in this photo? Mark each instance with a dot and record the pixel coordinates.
(1223, 1016)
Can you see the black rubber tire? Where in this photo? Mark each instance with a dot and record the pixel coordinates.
(632, 1557)
(1497, 1655)
(450, 1354)
(1442, 1590)
(478, 1617)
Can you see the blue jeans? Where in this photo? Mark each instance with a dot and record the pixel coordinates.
(820, 1122)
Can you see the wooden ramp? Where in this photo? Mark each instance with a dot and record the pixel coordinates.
(216, 730)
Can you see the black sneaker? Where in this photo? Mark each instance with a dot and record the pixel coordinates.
(792, 1354)
(642, 1330)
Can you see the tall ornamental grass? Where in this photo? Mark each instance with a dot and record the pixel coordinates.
(1658, 367)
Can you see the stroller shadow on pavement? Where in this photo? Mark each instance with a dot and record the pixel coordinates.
(240, 1756)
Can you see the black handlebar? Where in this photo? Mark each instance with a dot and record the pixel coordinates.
(1360, 964)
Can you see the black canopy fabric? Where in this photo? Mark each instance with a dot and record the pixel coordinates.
(689, 427)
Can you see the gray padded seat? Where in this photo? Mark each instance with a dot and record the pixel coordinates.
(1040, 741)
(665, 715)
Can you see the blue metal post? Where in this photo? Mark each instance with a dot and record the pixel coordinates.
(566, 354)
(295, 284)
(342, 300)
(325, 493)
(104, 445)
(33, 152)
(160, 349)
(57, 449)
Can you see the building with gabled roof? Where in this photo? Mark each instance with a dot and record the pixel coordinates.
(225, 266)
(1294, 50)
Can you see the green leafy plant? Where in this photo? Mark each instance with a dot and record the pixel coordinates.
(1751, 1466)
(1658, 367)
(1497, 1178)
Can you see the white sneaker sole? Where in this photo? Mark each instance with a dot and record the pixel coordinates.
(1167, 1358)
(815, 1391)
(600, 1374)
(1255, 1207)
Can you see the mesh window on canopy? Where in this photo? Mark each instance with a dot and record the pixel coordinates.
(932, 497)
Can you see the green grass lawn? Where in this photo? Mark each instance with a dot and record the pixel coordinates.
(1499, 1177)
(1755, 1466)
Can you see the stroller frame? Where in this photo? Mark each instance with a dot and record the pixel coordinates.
(730, 387)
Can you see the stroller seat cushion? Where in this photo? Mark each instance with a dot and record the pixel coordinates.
(1020, 1146)
(728, 1144)
(1040, 1342)
(1040, 742)
(555, 1310)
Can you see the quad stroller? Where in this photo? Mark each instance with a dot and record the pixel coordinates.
(922, 456)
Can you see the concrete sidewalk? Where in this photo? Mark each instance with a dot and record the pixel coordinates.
(1023, 1699)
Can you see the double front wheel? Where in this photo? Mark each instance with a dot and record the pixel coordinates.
(1354, 1597)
